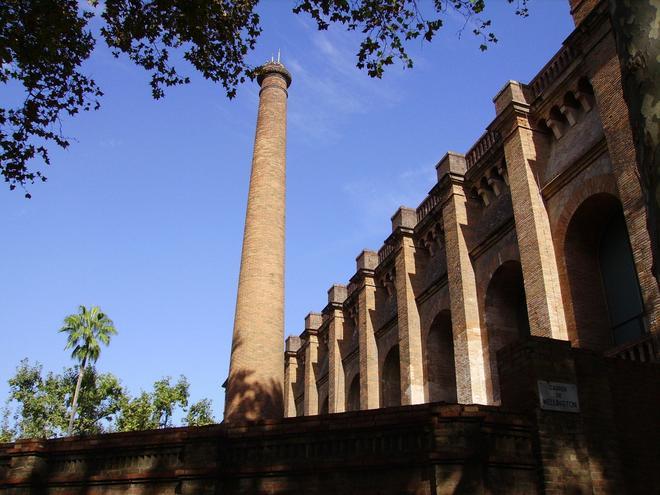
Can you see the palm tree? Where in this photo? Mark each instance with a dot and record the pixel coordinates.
(86, 330)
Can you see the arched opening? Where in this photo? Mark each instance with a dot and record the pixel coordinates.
(506, 314)
(353, 396)
(390, 383)
(440, 369)
(607, 303)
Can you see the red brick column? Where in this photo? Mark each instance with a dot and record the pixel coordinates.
(290, 375)
(311, 339)
(410, 332)
(336, 385)
(368, 352)
(524, 150)
(468, 340)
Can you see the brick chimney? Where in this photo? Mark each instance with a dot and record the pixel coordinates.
(256, 369)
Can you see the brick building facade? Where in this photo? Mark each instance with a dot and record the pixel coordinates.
(504, 339)
(539, 229)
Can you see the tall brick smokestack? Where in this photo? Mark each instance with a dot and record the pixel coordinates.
(256, 370)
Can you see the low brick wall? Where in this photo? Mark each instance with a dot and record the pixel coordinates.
(416, 449)
(611, 445)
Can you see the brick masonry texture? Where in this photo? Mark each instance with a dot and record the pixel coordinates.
(256, 375)
(507, 242)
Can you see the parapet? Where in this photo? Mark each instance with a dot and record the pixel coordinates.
(451, 163)
(512, 92)
(367, 260)
(404, 218)
(292, 344)
(313, 321)
(337, 294)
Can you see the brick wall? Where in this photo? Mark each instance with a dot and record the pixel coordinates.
(613, 444)
(421, 450)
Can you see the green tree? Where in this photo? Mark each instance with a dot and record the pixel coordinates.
(7, 433)
(167, 397)
(42, 401)
(200, 414)
(39, 404)
(43, 44)
(154, 410)
(99, 403)
(86, 331)
(137, 414)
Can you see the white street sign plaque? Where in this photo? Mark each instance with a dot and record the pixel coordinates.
(554, 396)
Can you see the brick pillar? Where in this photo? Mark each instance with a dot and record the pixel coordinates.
(336, 385)
(410, 333)
(290, 375)
(256, 370)
(606, 81)
(311, 343)
(468, 343)
(368, 351)
(524, 149)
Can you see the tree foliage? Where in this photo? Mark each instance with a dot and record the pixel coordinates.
(43, 44)
(388, 24)
(86, 331)
(156, 409)
(38, 405)
(200, 414)
(100, 402)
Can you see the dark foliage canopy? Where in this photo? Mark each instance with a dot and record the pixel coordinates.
(43, 44)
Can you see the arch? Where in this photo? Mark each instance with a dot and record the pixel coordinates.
(440, 366)
(555, 114)
(584, 86)
(505, 315)
(570, 100)
(600, 184)
(353, 395)
(390, 382)
(604, 290)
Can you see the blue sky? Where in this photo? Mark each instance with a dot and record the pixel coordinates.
(143, 214)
